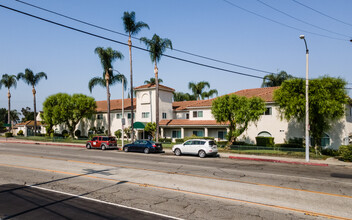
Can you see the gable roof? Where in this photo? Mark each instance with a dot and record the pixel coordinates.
(267, 94)
(148, 86)
(115, 104)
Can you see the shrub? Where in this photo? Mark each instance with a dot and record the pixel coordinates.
(64, 132)
(118, 133)
(221, 143)
(265, 141)
(165, 140)
(196, 137)
(345, 152)
(330, 152)
(8, 134)
(78, 133)
(20, 133)
(179, 140)
(296, 140)
(289, 145)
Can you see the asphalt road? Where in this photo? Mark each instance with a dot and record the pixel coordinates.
(183, 187)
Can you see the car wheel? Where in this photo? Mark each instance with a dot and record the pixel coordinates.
(88, 146)
(125, 149)
(202, 154)
(177, 152)
(103, 147)
(146, 150)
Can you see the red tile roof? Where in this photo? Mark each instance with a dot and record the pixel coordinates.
(115, 104)
(29, 123)
(265, 93)
(152, 86)
(188, 122)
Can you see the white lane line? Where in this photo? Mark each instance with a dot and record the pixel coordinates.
(109, 203)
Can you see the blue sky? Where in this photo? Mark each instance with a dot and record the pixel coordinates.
(212, 28)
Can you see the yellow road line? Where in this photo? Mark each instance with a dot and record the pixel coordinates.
(191, 175)
(187, 192)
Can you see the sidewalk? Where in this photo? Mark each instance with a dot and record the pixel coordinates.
(327, 162)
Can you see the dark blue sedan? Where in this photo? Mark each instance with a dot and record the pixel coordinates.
(144, 146)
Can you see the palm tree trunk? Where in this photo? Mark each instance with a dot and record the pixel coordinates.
(9, 110)
(156, 102)
(131, 79)
(35, 112)
(108, 99)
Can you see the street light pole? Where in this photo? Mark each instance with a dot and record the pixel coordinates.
(123, 108)
(307, 103)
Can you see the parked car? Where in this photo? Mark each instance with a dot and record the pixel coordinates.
(200, 147)
(145, 146)
(102, 142)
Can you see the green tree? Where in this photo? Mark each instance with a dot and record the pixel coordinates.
(62, 108)
(107, 56)
(156, 47)
(198, 88)
(152, 81)
(272, 80)
(8, 81)
(132, 28)
(27, 114)
(327, 99)
(180, 96)
(4, 116)
(118, 134)
(150, 128)
(32, 79)
(238, 111)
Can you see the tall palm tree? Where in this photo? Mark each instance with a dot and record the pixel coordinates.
(197, 88)
(107, 56)
(32, 79)
(156, 47)
(152, 81)
(272, 80)
(8, 81)
(180, 96)
(132, 28)
(209, 94)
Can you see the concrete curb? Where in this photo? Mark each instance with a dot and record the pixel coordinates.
(279, 161)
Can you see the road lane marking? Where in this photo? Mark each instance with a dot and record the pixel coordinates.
(101, 201)
(184, 191)
(191, 175)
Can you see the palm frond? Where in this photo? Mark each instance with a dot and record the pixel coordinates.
(118, 79)
(96, 81)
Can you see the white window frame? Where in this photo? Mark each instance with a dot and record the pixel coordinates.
(145, 114)
(177, 132)
(198, 114)
(164, 115)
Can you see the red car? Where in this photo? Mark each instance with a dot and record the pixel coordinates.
(102, 142)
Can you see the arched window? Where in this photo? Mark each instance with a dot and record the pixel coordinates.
(264, 134)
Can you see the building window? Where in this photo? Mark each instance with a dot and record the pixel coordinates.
(129, 115)
(198, 133)
(145, 114)
(176, 134)
(164, 115)
(100, 116)
(197, 114)
(222, 135)
(264, 134)
(268, 111)
(187, 116)
(119, 115)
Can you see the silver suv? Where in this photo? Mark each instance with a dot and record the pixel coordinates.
(200, 147)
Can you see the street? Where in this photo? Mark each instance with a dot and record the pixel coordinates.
(162, 186)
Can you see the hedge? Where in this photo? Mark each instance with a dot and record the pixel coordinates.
(8, 134)
(196, 137)
(265, 141)
(290, 145)
(345, 152)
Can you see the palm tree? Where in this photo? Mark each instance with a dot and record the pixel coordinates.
(107, 56)
(180, 96)
(152, 81)
(132, 28)
(209, 94)
(32, 79)
(197, 88)
(8, 81)
(273, 79)
(156, 47)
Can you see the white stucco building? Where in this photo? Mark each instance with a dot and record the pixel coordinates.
(187, 118)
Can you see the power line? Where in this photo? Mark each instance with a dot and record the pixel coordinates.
(126, 35)
(125, 44)
(300, 20)
(306, 6)
(282, 24)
